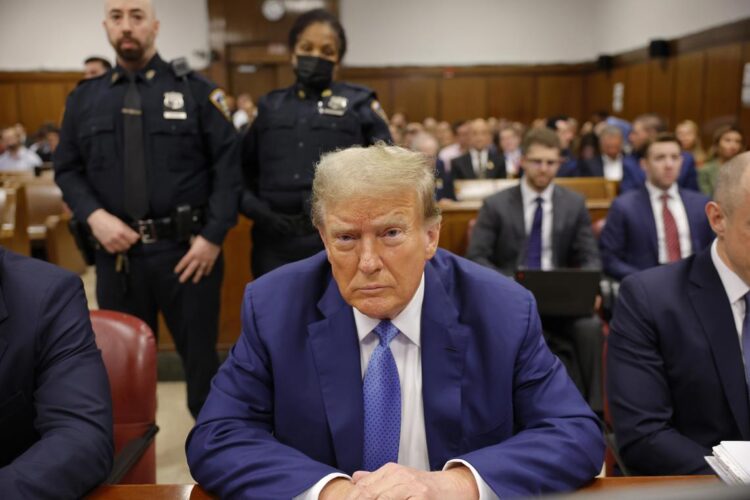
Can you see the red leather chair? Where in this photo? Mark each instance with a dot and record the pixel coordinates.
(129, 353)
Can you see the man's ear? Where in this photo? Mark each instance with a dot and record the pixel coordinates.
(716, 218)
(433, 237)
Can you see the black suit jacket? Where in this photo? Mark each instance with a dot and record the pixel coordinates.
(55, 405)
(498, 239)
(461, 167)
(591, 167)
(676, 381)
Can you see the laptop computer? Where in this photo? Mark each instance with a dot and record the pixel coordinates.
(562, 292)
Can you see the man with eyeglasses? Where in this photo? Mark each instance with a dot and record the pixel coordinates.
(538, 225)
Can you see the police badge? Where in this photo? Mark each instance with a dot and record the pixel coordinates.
(174, 106)
(334, 105)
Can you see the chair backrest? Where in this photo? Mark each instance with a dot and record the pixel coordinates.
(129, 353)
(14, 219)
(43, 198)
(592, 188)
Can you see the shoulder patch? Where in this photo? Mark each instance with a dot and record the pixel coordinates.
(378, 109)
(219, 99)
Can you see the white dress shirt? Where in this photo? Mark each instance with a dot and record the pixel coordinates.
(406, 350)
(513, 162)
(734, 287)
(529, 196)
(478, 158)
(612, 168)
(677, 208)
(448, 153)
(23, 160)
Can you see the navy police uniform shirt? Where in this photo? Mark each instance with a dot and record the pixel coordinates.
(294, 127)
(191, 151)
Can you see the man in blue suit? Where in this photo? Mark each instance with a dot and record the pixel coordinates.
(658, 222)
(645, 129)
(55, 406)
(387, 367)
(679, 348)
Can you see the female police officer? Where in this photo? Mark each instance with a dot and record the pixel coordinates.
(294, 126)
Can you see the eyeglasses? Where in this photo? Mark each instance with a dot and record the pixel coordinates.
(539, 162)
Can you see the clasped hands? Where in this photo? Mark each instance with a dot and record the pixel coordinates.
(393, 482)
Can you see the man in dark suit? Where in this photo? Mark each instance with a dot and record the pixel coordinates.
(55, 407)
(645, 229)
(645, 129)
(609, 163)
(393, 359)
(544, 226)
(679, 348)
(482, 161)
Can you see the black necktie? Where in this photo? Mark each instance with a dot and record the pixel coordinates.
(136, 188)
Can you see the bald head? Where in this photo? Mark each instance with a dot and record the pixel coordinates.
(132, 28)
(733, 183)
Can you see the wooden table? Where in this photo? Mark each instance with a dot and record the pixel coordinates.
(195, 492)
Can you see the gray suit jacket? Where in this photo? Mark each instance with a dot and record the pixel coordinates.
(498, 239)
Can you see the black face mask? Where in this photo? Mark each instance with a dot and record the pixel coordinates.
(314, 72)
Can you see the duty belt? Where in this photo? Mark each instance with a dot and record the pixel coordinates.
(178, 227)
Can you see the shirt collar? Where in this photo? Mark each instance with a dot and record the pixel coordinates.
(655, 193)
(733, 284)
(529, 196)
(155, 67)
(408, 321)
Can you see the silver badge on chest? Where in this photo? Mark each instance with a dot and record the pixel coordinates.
(174, 106)
(334, 105)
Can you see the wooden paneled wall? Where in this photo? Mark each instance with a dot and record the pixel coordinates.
(34, 98)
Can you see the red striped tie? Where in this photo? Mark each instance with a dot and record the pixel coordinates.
(671, 235)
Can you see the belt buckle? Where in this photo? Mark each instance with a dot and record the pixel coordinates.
(147, 231)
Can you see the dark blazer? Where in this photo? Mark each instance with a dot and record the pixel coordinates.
(591, 167)
(461, 167)
(628, 241)
(55, 405)
(443, 182)
(676, 381)
(498, 239)
(286, 409)
(634, 177)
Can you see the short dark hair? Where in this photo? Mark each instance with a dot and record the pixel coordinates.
(725, 129)
(104, 62)
(317, 16)
(541, 136)
(660, 138)
(552, 121)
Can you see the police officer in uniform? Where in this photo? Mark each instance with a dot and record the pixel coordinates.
(294, 126)
(148, 158)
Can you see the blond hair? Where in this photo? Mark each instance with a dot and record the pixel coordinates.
(373, 172)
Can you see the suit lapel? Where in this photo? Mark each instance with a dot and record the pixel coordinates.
(693, 219)
(3, 309)
(518, 224)
(335, 347)
(443, 343)
(646, 214)
(709, 299)
(559, 216)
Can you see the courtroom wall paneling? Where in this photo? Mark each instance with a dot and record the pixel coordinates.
(723, 84)
(463, 97)
(381, 86)
(557, 95)
(512, 97)
(688, 89)
(259, 82)
(636, 90)
(9, 113)
(41, 102)
(597, 92)
(745, 109)
(661, 74)
(415, 96)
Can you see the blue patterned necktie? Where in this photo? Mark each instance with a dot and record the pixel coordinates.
(746, 340)
(534, 249)
(382, 397)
